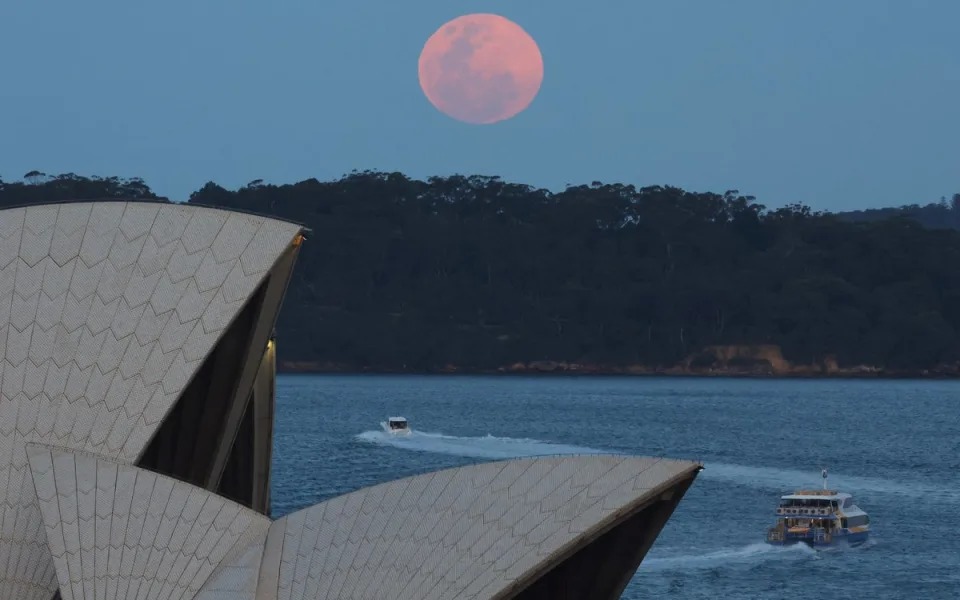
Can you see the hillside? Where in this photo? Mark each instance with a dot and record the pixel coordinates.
(477, 274)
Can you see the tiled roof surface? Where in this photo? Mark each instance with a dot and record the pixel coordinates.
(461, 533)
(116, 531)
(106, 311)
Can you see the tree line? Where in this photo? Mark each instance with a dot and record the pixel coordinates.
(480, 273)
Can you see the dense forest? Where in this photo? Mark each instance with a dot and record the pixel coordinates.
(479, 274)
(936, 215)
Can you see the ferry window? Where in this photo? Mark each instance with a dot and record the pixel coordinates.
(858, 520)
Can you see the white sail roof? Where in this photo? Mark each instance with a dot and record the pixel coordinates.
(106, 311)
(469, 532)
(118, 531)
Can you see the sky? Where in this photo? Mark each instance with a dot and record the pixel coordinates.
(840, 105)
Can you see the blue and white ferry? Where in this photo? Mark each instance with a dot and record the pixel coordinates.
(819, 518)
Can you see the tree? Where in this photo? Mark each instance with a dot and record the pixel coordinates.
(34, 177)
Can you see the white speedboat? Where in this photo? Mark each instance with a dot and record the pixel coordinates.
(396, 426)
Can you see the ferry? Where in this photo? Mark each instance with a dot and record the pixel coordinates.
(819, 518)
(396, 426)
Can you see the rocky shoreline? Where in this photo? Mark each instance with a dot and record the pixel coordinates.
(562, 368)
(759, 360)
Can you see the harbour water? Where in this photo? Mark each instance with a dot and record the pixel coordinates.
(895, 445)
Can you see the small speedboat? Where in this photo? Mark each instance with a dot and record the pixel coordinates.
(396, 426)
(819, 518)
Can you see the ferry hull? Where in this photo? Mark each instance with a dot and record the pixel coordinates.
(854, 538)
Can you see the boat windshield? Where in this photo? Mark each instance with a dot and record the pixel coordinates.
(398, 424)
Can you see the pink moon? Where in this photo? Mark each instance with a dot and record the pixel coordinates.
(481, 69)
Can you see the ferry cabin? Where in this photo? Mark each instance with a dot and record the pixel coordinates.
(819, 518)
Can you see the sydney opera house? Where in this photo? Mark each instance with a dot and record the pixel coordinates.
(136, 432)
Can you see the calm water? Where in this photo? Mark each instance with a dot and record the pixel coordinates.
(894, 445)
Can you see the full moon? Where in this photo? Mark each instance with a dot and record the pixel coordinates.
(481, 69)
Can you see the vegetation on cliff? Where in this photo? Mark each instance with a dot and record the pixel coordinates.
(480, 273)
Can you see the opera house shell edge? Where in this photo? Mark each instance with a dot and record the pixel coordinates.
(136, 427)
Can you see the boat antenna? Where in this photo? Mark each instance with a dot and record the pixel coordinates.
(823, 473)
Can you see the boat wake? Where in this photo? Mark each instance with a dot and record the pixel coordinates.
(767, 478)
(488, 446)
(781, 479)
(745, 556)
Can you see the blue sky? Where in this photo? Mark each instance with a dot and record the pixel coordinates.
(841, 105)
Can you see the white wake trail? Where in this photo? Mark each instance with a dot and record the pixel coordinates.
(789, 479)
(746, 555)
(488, 446)
(768, 478)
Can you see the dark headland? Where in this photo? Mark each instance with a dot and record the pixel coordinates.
(478, 275)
